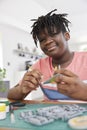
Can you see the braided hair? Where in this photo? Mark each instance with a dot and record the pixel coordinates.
(49, 21)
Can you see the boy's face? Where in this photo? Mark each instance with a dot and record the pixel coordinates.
(53, 45)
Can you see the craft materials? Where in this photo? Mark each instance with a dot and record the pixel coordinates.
(17, 104)
(45, 115)
(49, 88)
(79, 123)
(12, 116)
(6, 101)
(50, 80)
(14, 105)
(2, 111)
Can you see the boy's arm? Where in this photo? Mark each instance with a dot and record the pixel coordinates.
(15, 93)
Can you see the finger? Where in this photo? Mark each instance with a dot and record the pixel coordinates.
(64, 79)
(35, 74)
(35, 71)
(61, 88)
(31, 79)
(66, 72)
(65, 89)
(29, 85)
(58, 78)
(67, 80)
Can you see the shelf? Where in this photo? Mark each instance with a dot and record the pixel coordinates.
(27, 54)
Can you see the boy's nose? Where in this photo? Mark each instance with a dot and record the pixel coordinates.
(49, 40)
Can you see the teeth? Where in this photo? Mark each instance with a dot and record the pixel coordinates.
(52, 48)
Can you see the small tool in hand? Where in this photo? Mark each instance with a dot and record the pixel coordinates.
(50, 80)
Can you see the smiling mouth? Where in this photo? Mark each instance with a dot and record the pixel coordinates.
(51, 48)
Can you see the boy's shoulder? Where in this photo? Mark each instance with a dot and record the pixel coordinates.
(82, 53)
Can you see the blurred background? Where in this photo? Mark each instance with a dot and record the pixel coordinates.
(17, 49)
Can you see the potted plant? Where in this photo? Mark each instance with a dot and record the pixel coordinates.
(4, 85)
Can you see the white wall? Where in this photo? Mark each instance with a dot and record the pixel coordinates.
(1, 55)
(14, 31)
(11, 36)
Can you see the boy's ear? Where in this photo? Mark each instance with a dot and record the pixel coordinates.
(67, 36)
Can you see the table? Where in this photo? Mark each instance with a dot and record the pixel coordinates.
(38, 102)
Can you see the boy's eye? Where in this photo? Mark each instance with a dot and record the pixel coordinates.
(42, 40)
(53, 34)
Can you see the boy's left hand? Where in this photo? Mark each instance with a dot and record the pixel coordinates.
(69, 84)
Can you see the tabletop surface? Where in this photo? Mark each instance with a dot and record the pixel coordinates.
(40, 103)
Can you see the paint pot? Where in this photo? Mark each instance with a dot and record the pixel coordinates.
(6, 101)
(78, 123)
(2, 111)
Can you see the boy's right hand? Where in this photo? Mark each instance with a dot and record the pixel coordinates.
(30, 81)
